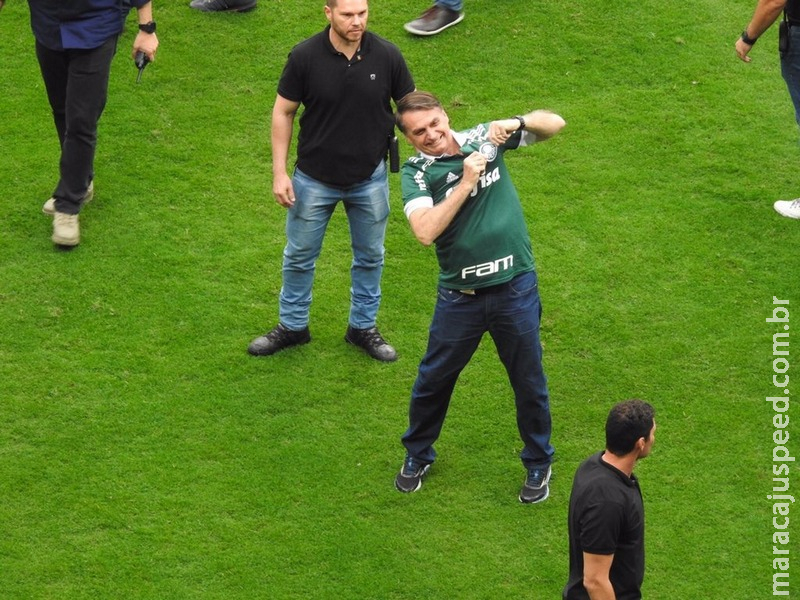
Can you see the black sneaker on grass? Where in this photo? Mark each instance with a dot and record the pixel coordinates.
(372, 342)
(223, 5)
(409, 479)
(537, 485)
(278, 339)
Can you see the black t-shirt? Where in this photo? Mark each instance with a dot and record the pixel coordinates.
(606, 516)
(347, 114)
(792, 9)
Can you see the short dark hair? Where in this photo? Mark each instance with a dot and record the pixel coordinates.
(412, 101)
(627, 422)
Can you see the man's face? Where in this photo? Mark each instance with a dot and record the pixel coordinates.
(348, 19)
(428, 130)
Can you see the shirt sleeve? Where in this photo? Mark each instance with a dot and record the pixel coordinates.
(290, 85)
(600, 527)
(402, 81)
(414, 186)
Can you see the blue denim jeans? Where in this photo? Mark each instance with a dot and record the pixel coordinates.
(367, 207)
(455, 5)
(790, 69)
(510, 313)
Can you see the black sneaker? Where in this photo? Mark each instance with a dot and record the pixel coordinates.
(223, 5)
(278, 339)
(434, 20)
(372, 342)
(409, 479)
(537, 485)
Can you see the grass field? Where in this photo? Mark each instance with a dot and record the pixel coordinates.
(144, 454)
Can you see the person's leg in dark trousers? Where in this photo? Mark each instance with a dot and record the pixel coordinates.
(456, 330)
(514, 327)
(77, 88)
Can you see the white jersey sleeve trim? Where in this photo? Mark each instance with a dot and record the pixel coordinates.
(416, 203)
(527, 139)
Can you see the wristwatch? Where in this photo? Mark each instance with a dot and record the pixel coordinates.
(521, 122)
(148, 27)
(747, 39)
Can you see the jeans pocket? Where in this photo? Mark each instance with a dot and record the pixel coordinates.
(448, 296)
(523, 284)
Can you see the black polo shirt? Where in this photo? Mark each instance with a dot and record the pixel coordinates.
(606, 516)
(347, 114)
(792, 9)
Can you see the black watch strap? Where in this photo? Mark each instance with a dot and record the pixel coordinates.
(148, 27)
(521, 122)
(747, 39)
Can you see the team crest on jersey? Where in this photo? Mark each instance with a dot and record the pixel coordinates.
(488, 150)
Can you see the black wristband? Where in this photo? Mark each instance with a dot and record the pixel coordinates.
(521, 122)
(747, 39)
(148, 27)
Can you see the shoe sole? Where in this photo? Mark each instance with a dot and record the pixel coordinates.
(788, 216)
(422, 33)
(67, 243)
(419, 483)
(256, 353)
(538, 500)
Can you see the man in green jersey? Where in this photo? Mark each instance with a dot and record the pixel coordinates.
(457, 193)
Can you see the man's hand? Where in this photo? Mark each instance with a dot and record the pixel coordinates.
(144, 42)
(742, 49)
(498, 133)
(283, 190)
(474, 167)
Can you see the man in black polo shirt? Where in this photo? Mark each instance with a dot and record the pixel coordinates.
(345, 78)
(606, 513)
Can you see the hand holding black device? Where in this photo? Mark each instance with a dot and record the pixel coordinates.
(140, 60)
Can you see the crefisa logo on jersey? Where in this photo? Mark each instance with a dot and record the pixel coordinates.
(488, 150)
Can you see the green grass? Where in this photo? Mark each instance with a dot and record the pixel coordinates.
(144, 454)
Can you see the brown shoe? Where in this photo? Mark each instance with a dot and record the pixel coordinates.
(66, 231)
(434, 20)
(49, 207)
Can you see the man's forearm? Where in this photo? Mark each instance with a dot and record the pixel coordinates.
(429, 223)
(281, 139)
(145, 13)
(766, 12)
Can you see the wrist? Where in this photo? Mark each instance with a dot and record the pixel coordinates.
(747, 39)
(149, 27)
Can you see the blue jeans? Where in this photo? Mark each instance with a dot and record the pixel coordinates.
(790, 69)
(510, 313)
(367, 207)
(77, 87)
(455, 5)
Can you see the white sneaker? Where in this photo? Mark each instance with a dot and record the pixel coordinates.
(66, 231)
(49, 207)
(788, 208)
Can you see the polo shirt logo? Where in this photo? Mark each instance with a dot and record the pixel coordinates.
(372, 76)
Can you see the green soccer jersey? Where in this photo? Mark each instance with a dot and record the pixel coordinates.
(487, 242)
